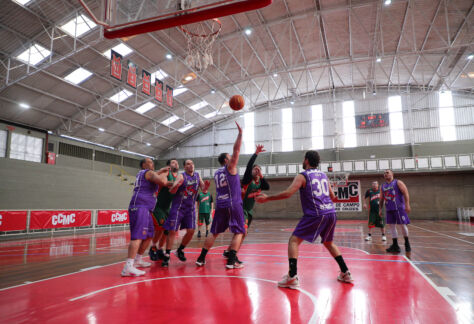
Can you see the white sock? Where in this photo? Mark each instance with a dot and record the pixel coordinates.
(129, 262)
(138, 258)
(393, 229)
(404, 230)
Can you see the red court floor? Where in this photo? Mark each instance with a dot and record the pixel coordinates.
(387, 288)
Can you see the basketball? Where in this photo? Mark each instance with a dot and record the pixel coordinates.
(237, 102)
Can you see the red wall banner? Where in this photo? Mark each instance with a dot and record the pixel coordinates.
(111, 217)
(59, 218)
(12, 220)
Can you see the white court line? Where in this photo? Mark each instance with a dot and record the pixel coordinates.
(441, 291)
(71, 273)
(313, 318)
(424, 229)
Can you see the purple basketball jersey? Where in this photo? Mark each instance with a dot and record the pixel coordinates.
(185, 197)
(144, 192)
(315, 199)
(227, 188)
(394, 199)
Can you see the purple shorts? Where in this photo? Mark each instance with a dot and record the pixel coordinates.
(141, 223)
(232, 218)
(180, 219)
(398, 216)
(310, 227)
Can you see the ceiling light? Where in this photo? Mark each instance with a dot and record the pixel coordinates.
(210, 115)
(121, 48)
(374, 93)
(169, 56)
(23, 2)
(248, 31)
(275, 75)
(198, 106)
(50, 132)
(470, 56)
(101, 129)
(185, 128)
(78, 26)
(148, 144)
(120, 96)
(179, 90)
(387, 2)
(34, 54)
(145, 107)
(379, 60)
(188, 78)
(292, 102)
(213, 90)
(85, 141)
(135, 153)
(24, 105)
(77, 76)
(170, 120)
(471, 75)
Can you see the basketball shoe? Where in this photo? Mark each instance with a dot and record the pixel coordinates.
(345, 277)
(130, 271)
(289, 282)
(153, 253)
(368, 238)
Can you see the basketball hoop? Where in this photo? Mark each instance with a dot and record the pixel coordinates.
(339, 179)
(200, 37)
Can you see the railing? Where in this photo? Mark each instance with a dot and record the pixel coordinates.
(450, 162)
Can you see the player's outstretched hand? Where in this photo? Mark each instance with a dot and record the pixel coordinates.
(166, 169)
(261, 198)
(239, 128)
(259, 149)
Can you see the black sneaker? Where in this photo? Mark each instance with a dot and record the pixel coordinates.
(407, 247)
(161, 255)
(200, 262)
(238, 261)
(226, 254)
(393, 249)
(153, 253)
(180, 255)
(199, 234)
(166, 260)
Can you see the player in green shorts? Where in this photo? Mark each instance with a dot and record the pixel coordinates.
(252, 183)
(160, 213)
(206, 205)
(372, 198)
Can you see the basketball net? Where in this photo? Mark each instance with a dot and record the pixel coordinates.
(339, 179)
(200, 37)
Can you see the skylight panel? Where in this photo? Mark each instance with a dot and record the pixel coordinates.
(121, 48)
(145, 107)
(120, 96)
(78, 26)
(77, 76)
(34, 54)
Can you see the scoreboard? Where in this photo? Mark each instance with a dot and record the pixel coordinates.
(372, 121)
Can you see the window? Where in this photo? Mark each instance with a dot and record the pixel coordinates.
(397, 134)
(446, 116)
(286, 130)
(34, 54)
(249, 133)
(24, 147)
(317, 127)
(78, 75)
(3, 143)
(120, 96)
(348, 115)
(78, 26)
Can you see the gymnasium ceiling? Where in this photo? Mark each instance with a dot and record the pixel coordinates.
(296, 48)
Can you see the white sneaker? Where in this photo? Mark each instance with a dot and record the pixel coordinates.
(236, 265)
(141, 264)
(368, 238)
(345, 277)
(384, 238)
(289, 282)
(131, 272)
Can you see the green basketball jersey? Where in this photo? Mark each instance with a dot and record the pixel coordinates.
(374, 197)
(249, 203)
(165, 198)
(204, 200)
